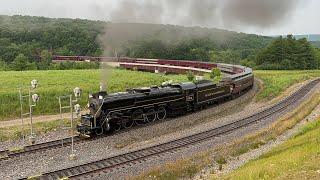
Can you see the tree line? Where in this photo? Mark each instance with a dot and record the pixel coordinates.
(286, 54)
(28, 43)
(26, 40)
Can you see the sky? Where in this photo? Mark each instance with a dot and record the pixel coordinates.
(266, 17)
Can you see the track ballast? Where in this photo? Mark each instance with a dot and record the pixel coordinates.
(142, 154)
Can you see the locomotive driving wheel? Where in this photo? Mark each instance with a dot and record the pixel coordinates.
(116, 126)
(138, 117)
(162, 113)
(127, 123)
(151, 115)
(99, 131)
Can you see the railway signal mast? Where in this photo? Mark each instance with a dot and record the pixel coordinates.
(74, 108)
(33, 98)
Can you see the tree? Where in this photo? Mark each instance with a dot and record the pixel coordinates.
(21, 63)
(45, 59)
(3, 65)
(317, 51)
(215, 73)
(287, 53)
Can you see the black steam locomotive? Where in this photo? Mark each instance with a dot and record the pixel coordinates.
(139, 106)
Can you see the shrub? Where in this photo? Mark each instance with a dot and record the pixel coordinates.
(215, 73)
(190, 76)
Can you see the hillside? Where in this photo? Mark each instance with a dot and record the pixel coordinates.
(298, 158)
(30, 35)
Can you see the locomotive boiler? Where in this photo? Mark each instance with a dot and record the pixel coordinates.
(111, 112)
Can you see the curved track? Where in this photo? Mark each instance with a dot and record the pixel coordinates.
(131, 157)
(161, 65)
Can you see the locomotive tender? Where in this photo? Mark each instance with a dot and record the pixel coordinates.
(142, 105)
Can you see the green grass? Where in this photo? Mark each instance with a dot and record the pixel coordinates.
(55, 83)
(297, 158)
(276, 82)
(14, 132)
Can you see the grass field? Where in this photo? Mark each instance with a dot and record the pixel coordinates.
(56, 83)
(298, 158)
(276, 82)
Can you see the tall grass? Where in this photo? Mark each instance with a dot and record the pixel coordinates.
(298, 158)
(272, 164)
(54, 83)
(276, 82)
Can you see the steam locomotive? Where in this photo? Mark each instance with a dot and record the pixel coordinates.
(111, 112)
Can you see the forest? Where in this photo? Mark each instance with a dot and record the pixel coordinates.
(28, 43)
(287, 53)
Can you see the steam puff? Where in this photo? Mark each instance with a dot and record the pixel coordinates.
(148, 11)
(261, 13)
(256, 13)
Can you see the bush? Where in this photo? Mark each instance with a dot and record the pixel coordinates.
(190, 76)
(21, 63)
(215, 73)
(3, 65)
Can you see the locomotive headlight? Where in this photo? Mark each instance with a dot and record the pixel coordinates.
(34, 84)
(35, 98)
(100, 97)
(77, 92)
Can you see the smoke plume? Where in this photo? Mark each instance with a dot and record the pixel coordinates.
(212, 13)
(207, 13)
(260, 13)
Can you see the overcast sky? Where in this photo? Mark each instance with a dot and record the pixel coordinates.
(268, 17)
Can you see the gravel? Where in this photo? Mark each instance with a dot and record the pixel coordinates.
(136, 138)
(235, 163)
(172, 125)
(50, 136)
(125, 171)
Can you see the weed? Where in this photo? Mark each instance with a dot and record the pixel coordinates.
(220, 160)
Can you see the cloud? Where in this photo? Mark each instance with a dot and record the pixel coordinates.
(238, 15)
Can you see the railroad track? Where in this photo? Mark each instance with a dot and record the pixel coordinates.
(18, 151)
(9, 153)
(142, 154)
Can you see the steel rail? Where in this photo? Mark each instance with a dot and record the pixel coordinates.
(9, 153)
